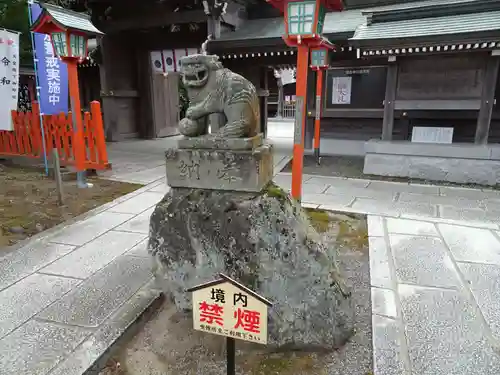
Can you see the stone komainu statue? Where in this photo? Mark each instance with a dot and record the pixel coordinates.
(212, 89)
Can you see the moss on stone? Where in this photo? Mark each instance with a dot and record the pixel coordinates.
(352, 234)
(274, 191)
(349, 230)
(319, 219)
(357, 238)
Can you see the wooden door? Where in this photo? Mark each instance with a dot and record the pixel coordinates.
(166, 111)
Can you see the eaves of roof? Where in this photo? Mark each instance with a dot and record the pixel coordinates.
(71, 19)
(461, 27)
(349, 25)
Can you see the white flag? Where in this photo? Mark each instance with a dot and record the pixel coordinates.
(9, 77)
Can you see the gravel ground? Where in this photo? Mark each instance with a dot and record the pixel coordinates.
(352, 167)
(167, 345)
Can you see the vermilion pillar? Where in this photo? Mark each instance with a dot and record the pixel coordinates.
(74, 92)
(319, 63)
(304, 20)
(300, 120)
(317, 120)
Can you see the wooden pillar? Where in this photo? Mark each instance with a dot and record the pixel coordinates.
(390, 97)
(487, 100)
(300, 120)
(317, 120)
(213, 24)
(118, 87)
(263, 99)
(281, 98)
(216, 120)
(311, 104)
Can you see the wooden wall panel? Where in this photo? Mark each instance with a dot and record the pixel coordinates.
(458, 77)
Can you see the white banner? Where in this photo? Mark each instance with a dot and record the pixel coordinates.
(168, 60)
(9, 77)
(341, 90)
(157, 62)
(178, 53)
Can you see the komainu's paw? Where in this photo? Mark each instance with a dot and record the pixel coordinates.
(191, 128)
(189, 112)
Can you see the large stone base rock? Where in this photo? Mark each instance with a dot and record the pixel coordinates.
(262, 240)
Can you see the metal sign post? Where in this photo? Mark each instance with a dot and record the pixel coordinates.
(231, 356)
(224, 307)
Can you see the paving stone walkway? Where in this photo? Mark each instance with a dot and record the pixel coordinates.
(68, 294)
(435, 280)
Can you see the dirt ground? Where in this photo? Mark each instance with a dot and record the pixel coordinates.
(28, 201)
(352, 167)
(167, 345)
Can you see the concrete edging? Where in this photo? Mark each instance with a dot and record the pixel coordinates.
(459, 163)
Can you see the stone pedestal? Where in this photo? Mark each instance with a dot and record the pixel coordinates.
(224, 215)
(210, 162)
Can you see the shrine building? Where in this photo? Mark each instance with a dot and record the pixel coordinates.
(412, 83)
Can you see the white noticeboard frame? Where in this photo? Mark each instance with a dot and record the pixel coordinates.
(225, 307)
(429, 134)
(341, 90)
(9, 77)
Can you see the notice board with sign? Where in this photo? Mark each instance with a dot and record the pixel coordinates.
(225, 307)
(355, 87)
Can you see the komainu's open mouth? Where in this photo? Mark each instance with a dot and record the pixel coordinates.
(194, 75)
(198, 76)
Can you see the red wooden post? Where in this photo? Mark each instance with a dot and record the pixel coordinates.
(317, 120)
(95, 110)
(300, 120)
(78, 139)
(304, 21)
(36, 130)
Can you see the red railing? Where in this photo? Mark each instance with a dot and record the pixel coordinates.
(26, 138)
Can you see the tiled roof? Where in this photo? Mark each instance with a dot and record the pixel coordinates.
(337, 24)
(70, 19)
(423, 27)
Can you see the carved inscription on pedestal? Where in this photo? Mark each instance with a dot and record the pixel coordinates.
(190, 169)
(230, 171)
(245, 170)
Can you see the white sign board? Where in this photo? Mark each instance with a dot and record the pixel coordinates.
(9, 77)
(287, 76)
(341, 90)
(423, 134)
(226, 308)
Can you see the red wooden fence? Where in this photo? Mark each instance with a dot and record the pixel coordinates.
(26, 138)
